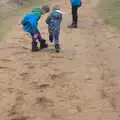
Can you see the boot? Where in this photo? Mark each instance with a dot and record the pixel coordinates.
(72, 26)
(34, 46)
(57, 48)
(43, 44)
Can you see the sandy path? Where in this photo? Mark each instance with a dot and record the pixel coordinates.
(80, 83)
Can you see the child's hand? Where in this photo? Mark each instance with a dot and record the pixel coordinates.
(20, 25)
(19, 20)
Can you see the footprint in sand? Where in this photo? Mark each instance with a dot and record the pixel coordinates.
(79, 108)
(14, 113)
(1, 67)
(7, 68)
(111, 100)
(44, 101)
(6, 60)
(76, 45)
(54, 76)
(19, 53)
(55, 115)
(44, 86)
(57, 56)
(103, 94)
(38, 86)
(24, 75)
(29, 65)
(113, 103)
(60, 75)
(10, 90)
(20, 117)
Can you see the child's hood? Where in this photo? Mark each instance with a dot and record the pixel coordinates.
(57, 11)
(37, 12)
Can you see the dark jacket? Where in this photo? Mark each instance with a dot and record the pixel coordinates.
(54, 20)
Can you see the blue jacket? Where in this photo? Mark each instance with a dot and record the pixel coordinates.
(30, 21)
(54, 21)
(75, 2)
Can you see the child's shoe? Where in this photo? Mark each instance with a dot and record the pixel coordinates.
(73, 26)
(43, 44)
(57, 48)
(34, 46)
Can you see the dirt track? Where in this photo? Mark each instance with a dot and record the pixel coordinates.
(80, 83)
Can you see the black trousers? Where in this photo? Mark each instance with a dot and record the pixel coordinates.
(75, 14)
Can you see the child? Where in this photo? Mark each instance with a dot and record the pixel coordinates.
(30, 25)
(54, 21)
(75, 5)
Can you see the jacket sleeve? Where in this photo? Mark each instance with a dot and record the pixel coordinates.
(61, 18)
(48, 19)
(23, 21)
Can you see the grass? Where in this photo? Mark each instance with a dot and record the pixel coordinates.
(10, 17)
(110, 10)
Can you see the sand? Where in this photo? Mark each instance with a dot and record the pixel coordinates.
(82, 82)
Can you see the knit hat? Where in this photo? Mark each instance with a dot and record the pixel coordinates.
(37, 12)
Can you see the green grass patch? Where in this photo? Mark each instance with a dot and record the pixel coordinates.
(110, 10)
(9, 17)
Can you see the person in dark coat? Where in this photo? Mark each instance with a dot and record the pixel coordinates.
(75, 5)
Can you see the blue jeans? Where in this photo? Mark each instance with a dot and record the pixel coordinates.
(54, 36)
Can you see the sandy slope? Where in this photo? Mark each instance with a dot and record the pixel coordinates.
(80, 83)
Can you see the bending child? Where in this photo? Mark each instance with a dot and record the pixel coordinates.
(54, 21)
(30, 25)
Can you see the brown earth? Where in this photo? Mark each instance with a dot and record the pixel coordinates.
(80, 83)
